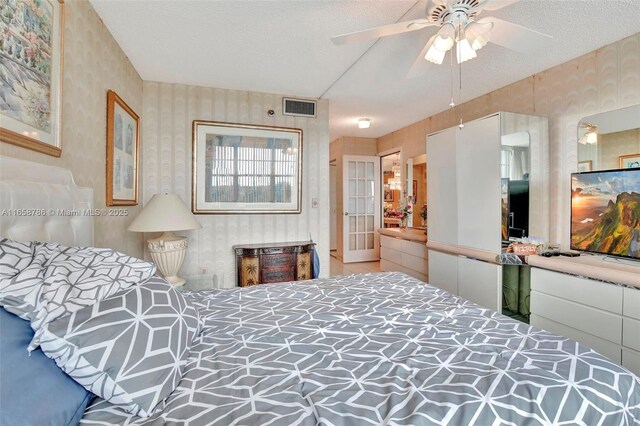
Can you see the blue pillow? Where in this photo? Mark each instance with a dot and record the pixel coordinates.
(33, 389)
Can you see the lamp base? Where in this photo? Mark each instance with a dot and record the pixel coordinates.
(167, 252)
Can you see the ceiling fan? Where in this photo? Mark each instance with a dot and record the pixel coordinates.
(459, 26)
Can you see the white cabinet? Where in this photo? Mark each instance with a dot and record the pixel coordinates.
(464, 195)
(475, 280)
(442, 198)
(410, 257)
(480, 282)
(478, 185)
(443, 271)
(600, 315)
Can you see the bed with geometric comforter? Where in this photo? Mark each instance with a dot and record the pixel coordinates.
(380, 349)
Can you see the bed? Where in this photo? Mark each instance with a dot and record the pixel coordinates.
(379, 348)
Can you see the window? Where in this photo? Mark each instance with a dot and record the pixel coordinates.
(250, 170)
(246, 169)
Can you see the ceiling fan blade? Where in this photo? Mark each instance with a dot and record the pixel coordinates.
(418, 65)
(515, 37)
(383, 31)
(491, 5)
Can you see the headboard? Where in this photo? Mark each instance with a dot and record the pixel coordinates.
(43, 203)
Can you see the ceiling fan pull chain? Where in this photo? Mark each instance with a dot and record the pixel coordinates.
(461, 125)
(452, 104)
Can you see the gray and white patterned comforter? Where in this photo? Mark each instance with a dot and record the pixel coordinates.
(381, 349)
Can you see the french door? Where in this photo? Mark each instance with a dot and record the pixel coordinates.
(361, 205)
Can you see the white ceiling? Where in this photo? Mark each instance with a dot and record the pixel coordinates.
(284, 47)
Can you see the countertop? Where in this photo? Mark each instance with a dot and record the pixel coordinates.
(483, 255)
(409, 234)
(589, 266)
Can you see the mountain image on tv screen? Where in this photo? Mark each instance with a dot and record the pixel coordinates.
(605, 212)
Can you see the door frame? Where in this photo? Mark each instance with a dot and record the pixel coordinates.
(368, 255)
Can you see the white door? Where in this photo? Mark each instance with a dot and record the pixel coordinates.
(361, 189)
(442, 202)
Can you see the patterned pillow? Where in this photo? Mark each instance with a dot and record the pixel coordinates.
(129, 348)
(14, 257)
(61, 280)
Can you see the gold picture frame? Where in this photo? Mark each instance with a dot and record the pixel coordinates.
(630, 161)
(217, 145)
(123, 147)
(585, 166)
(33, 120)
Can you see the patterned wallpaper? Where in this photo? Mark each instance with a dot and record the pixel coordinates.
(169, 110)
(93, 64)
(600, 81)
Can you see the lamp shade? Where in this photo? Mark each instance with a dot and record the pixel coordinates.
(433, 53)
(164, 213)
(478, 34)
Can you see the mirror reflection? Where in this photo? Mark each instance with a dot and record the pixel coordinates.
(392, 191)
(515, 163)
(610, 140)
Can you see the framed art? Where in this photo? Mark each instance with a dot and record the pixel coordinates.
(31, 52)
(123, 139)
(629, 161)
(246, 169)
(388, 193)
(585, 166)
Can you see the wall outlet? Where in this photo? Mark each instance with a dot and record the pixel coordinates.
(204, 270)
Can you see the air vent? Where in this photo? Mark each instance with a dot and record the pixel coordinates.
(298, 107)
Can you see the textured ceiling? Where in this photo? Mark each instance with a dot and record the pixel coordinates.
(284, 47)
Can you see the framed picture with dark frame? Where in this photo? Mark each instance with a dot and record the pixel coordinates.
(32, 57)
(123, 140)
(246, 169)
(629, 161)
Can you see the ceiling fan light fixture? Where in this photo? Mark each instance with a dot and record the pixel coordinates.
(591, 135)
(434, 54)
(464, 51)
(445, 37)
(478, 34)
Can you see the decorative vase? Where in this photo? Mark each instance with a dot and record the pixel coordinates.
(403, 222)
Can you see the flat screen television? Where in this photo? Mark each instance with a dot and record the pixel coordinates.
(605, 212)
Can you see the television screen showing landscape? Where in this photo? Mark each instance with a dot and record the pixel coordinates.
(605, 212)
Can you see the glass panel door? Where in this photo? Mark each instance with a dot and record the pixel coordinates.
(361, 189)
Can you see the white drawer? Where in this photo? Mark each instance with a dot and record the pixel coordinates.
(631, 360)
(631, 303)
(392, 243)
(394, 267)
(601, 346)
(596, 322)
(391, 255)
(414, 249)
(600, 295)
(416, 263)
(387, 266)
(631, 333)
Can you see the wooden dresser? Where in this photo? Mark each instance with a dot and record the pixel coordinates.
(273, 262)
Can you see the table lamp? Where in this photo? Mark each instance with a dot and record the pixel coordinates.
(166, 213)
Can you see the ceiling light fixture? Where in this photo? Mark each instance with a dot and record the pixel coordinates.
(591, 135)
(478, 34)
(464, 51)
(364, 123)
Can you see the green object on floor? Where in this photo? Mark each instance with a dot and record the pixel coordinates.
(510, 287)
(524, 298)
